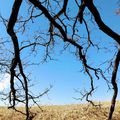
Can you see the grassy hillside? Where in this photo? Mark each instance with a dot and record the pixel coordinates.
(65, 112)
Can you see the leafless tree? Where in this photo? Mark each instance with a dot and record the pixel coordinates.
(63, 25)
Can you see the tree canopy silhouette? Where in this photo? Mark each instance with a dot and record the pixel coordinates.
(62, 24)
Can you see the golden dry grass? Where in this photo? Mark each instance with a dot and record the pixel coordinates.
(65, 112)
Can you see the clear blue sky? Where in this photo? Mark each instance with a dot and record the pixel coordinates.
(64, 73)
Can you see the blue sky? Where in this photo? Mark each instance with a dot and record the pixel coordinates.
(64, 73)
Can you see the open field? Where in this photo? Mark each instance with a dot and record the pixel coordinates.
(65, 112)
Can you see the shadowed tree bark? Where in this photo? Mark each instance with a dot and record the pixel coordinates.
(114, 83)
(16, 60)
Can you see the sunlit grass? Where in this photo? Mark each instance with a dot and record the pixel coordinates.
(64, 112)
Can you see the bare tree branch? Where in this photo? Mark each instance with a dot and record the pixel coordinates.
(100, 23)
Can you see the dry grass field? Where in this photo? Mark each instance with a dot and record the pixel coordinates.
(65, 112)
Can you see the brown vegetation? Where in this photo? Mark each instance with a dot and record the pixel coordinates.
(65, 112)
